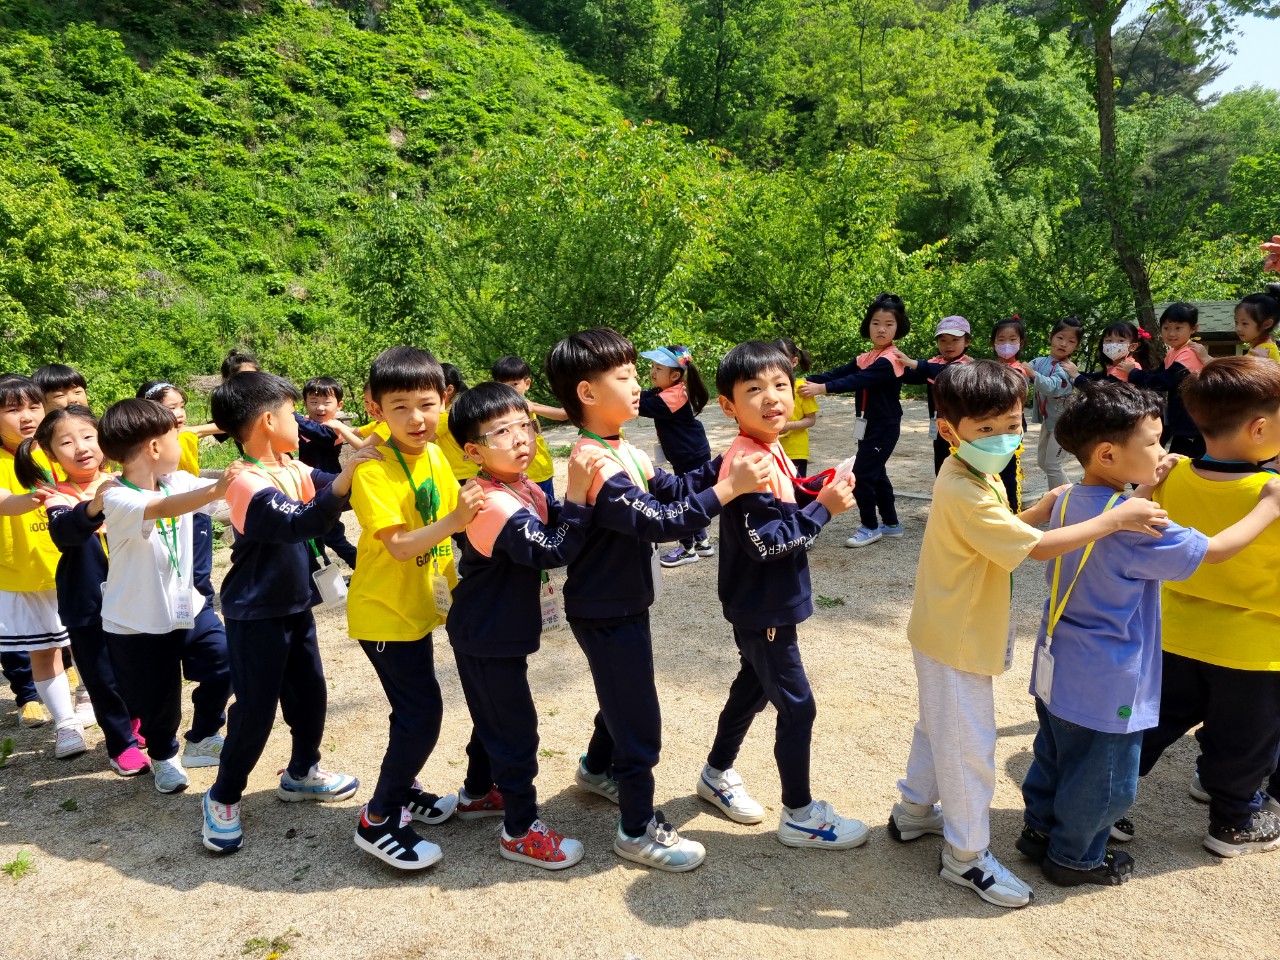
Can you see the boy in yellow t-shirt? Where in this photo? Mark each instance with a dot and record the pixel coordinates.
(960, 627)
(514, 372)
(408, 505)
(1221, 661)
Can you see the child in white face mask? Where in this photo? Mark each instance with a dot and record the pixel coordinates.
(1120, 340)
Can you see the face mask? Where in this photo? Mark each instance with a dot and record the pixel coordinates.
(1007, 350)
(990, 454)
(1115, 351)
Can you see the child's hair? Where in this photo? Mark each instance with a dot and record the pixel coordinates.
(1262, 307)
(58, 378)
(788, 346)
(236, 360)
(1134, 334)
(1103, 411)
(508, 368)
(156, 390)
(747, 361)
(977, 390)
(1181, 312)
(890, 303)
(28, 471)
(479, 405)
(127, 425)
(1066, 323)
(1011, 323)
(15, 388)
(405, 368)
(693, 384)
(1230, 392)
(453, 378)
(238, 402)
(322, 387)
(584, 356)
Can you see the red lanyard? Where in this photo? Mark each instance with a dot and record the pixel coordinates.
(780, 461)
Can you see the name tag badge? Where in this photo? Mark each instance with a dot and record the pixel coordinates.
(552, 613)
(860, 428)
(328, 580)
(183, 617)
(440, 589)
(657, 574)
(933, 429)
(1044, 675)
(1008, 650)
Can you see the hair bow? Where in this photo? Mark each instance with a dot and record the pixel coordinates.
(1144, 334)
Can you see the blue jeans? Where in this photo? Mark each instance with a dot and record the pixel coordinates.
(1080, 782)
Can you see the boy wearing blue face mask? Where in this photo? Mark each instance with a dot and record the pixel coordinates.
(960, 626)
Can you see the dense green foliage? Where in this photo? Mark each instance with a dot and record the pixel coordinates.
(316, 180)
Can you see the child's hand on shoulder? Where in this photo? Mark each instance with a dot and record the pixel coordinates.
(749, 473)
(1166, 464)
(809, 389)
(584, 464)
(1043, 509)
(1128, 365)
(903, 359)
(1140, 516)
(97, 505)
(837, 496)
(1070, 369)
(1270, 494)
(232, 470)
(342, 484)
(470, 500)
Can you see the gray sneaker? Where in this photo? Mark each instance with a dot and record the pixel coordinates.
(987, 877)
(598, 783)
(660, 847)
(170, 777)
(904, 826)
(202, 753)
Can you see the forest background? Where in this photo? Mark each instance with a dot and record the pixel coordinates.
(317, 180)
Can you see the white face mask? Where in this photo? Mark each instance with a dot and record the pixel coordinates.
(1116, 351)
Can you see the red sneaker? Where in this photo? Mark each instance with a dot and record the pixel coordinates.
(490, 805)
(542, 847)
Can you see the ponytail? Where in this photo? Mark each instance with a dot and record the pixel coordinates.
(28, 471)
(696, 389)
(788, 346)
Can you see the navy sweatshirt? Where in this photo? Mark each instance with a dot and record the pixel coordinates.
(680, 432)
(271, 563)
(877, 389)
(1168, 380)
(82, 568)
(497, 604)
(764, 567)
(612, 576)
(318, 445)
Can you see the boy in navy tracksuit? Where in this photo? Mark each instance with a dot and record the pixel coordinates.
(764, 588)
(279, 508)
(320, 438)
(611, 583)
(495, 622)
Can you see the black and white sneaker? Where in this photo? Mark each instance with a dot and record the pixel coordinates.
(704, 547)
(1115, 869)
(1033, 844)
(428, 808)
(395, 843)
(1123, 830)
(1260, 834)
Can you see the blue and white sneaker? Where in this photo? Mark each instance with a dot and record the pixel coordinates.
(320, 785)
(221, 828)
(723, 789)
(864, 537)
(822, 828)
(893, 530)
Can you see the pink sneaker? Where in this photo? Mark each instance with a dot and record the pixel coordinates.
(130, 763)
(137, 734)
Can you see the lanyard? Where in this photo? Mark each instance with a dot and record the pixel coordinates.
(530, 503)
(425, 498)
(782, 464)
(1056, 607)
(638, 478)
(287, 467)
(1228, 466)
(168, 531)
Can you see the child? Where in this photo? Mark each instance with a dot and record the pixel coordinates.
(515, 373)
(408, 505)
(1096, 677)
(69, 436)
(875, 379)
(1178, 325)
(62, 386)
(611, 584)
(238, 360)
(1256, 317)
(794, 439)
(462, 468)
(673, 403)
(1054, 376)
(1221, 661)
(279, 508)
(764, 590)
(320, 438)
(1008, 340)
(153, 618)
(29, 621)
(495, 621)
(953, 337)
(960, 628)
(1120, 341)
(374, 425)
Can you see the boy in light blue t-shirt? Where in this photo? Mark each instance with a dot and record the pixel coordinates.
(1096, 675)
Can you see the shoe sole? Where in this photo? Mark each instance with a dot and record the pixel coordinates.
(706, 553)
(192, 763)
(430, 821)
(122, 772)
(962, 882)
(679, 563)
(370, 849)
(864, 543)
(906, 836)
(664, 867)
(297, 796)
(1199, 796)
(1229, 850)
(177, 788)
(479, 814)
(893, 536)
(1119, 836)
(31, 724)
(598, 791)
(709, 795)
(212, 845)
(807, 843)
(68, 754)
(534, 862)
(1061, 876)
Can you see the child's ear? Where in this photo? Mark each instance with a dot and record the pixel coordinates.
(473, 452)
(948, 433)
(726, 405)
(375, 410)
(586, 393)
(1104, 453)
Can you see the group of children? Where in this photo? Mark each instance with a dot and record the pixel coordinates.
(460, 523)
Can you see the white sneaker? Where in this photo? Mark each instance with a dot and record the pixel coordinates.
(725, 792)
(864, 537)
(660, 847)
(823, 828)
(905, 826)
(601, 784)
(70, 741)
(202, 753)
(1197, 792)
(84, 709)
(170, 777)
(987, 877)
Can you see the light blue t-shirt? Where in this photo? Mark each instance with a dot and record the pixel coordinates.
(1106, 647)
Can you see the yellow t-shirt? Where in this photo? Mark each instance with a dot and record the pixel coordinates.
(796, 443)
(541, 467)
(1226, 613)
(1273, 352)
(463, 467)
(376, 426)
(190, 458)
(28, 557)
(390, 600)
(972, 543)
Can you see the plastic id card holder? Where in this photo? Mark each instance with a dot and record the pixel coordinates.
(1008, 650)
(1044, 674)
(657, 574)
(860, 428)
(184, 617)
(440, 589)
(552, 609)
(328, 580)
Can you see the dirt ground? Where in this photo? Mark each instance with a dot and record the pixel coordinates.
(123, 874)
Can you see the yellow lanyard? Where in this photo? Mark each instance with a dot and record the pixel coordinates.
(1056, 607)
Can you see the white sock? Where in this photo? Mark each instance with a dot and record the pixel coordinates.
(803, 814)
(713, 773)
(56, 694)
(917, 809)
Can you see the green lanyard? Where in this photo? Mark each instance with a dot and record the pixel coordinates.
(426, 499)
(999, 497)
(297, 495)
(638, 477)
(168, 531)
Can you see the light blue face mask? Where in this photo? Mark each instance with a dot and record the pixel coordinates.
(990, 454)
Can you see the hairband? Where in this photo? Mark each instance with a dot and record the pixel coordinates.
(161, 388)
